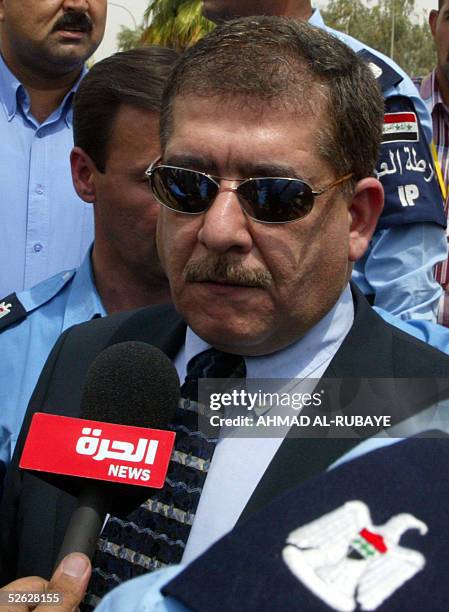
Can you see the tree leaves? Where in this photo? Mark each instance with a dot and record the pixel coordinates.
(179, 24)
(413, 45)
(169, 23)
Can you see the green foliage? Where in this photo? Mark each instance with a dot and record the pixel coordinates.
(128, 38)
(169, 23)
(179, 24)
(174, 23)
(371, 22)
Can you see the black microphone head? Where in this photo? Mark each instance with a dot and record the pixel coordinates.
(131, 383)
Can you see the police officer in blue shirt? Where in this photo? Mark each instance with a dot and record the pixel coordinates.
(120, 99)
(397, 270)
(44, 45)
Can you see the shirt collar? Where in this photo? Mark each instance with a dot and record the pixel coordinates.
(83, 302)
(66, 105)
(11, 88)
(430, 92)
(316, 19)
(301, 359)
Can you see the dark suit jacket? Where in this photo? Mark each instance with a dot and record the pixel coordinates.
(34, 514)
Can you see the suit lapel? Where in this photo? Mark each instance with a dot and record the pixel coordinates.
(366, 350)
(296, 459)
(160, 326)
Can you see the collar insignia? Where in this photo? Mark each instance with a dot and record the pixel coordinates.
(5, 309)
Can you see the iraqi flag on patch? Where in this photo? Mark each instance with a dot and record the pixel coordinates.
(399, 127)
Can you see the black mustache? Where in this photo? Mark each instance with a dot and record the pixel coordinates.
(221, 270)
(74, 20)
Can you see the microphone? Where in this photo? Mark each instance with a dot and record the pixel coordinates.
(131, 383)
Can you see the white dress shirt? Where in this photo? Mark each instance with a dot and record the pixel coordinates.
(239, 463)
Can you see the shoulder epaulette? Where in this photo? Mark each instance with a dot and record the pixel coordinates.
(11, 311)
(385, 75)
(14, 309)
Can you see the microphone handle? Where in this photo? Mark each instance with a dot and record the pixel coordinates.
(85, 523)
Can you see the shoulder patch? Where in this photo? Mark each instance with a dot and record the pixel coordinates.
(384, 74)
(11, 311)
(400, 127)
(347, 561)
(406, 169)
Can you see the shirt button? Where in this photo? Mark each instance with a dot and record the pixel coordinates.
(39, 189)
(38, 247)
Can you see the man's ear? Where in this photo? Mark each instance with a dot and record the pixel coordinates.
(83, 173)
(366, 207)
(433, 16)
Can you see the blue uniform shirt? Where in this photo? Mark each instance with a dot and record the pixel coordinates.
(432, 333)
(33, 321)
(143, 594)
(410, 238)
(45, 227)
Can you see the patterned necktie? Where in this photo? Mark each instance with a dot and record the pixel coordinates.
(155, 535)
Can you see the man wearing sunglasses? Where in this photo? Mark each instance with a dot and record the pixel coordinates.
(267, 199)
(397, 271)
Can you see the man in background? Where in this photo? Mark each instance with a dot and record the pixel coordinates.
(397, 271)
(435, 92)
(45, 227)
(116, 131)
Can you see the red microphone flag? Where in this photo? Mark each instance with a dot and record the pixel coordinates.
(97, 450)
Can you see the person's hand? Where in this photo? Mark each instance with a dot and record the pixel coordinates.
(63, 593)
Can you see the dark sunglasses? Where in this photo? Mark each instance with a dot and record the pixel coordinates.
(264, 199)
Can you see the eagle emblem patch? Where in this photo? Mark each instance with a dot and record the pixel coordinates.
(350, 563)
(5, 309)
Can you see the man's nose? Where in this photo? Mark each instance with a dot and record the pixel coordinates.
(225, 225)
(76, 5)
